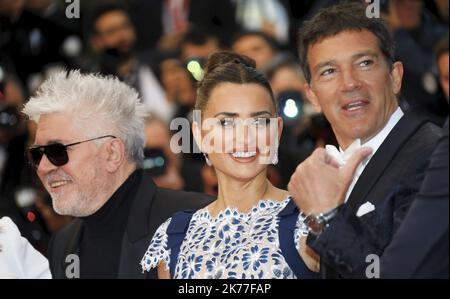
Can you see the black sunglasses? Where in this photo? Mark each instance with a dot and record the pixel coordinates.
(56, 152)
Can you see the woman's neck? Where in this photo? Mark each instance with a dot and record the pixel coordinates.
(243, 195)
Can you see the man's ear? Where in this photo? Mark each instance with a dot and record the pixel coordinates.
(397, 77)
(115, 155)
(312, 98)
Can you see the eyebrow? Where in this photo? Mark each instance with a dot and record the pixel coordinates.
(260, 113)
(49, 143)
(233, 114)
(354, 57)
(227, 114)
(365, 53)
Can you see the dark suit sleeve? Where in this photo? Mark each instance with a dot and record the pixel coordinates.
(420, 247)
(349, 240)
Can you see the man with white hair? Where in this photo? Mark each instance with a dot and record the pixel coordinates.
(87, 152)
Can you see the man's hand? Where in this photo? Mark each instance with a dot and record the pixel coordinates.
(319, 185)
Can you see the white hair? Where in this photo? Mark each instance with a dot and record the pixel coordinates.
(99, 105)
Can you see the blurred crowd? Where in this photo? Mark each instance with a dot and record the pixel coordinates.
(159, 47)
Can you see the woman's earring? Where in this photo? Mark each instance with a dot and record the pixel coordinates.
(207, 160)
(275, 156)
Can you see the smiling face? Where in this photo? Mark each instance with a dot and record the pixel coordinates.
(352, 84)
(237, 119)
(76, 188)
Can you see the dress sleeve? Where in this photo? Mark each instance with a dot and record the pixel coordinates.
(301, 230)
(157, 250)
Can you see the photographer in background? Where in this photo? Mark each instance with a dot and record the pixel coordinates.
(34, 44)
(178, 84)
(416, 32)
(21, 195)
(257, 45)
(198, 43)
(13, 133)
(159, 161)
(17, 196)
(179, 81)
(113, 38)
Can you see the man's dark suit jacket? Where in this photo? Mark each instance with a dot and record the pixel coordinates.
(390, 182)
(420, 247)
(151, 207)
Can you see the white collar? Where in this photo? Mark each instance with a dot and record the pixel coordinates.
(376, 141)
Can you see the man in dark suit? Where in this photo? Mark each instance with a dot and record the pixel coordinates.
(87, 152)
(348, 60)
(419, 249)
(114, 40)
(151, 206)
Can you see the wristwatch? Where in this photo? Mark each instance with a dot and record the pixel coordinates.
(317, 223)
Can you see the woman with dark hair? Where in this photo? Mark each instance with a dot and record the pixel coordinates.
(18, 259)
(253, 229)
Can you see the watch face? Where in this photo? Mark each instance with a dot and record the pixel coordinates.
(314, 224)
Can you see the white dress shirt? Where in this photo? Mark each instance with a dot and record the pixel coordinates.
(18, 259)
(374, 143)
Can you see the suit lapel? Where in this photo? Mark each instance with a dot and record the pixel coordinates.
(399, 135)
(135, 239)
(73, 246)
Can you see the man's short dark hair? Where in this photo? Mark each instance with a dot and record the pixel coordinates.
(268, 39)
(197, 36)
(345, 16)
(102, 9)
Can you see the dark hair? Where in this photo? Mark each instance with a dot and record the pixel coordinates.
(268, 39)
(197, 36)
(346, 16)
(229, 67)
(103, 9)
(441, 47)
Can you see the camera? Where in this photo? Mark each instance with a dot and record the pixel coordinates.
(111, 59)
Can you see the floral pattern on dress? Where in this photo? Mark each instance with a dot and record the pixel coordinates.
(230, 245)
(158, 248)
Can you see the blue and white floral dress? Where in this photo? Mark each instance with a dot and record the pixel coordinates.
(230, 245)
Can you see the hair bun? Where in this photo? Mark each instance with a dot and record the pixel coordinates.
(221, 58)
